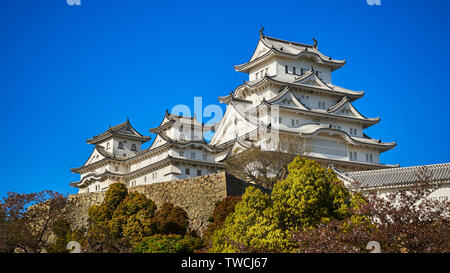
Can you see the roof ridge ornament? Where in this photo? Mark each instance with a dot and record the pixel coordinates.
(315, 42)
(261, 32)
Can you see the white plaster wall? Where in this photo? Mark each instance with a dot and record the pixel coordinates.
(361, 154)
(126, 151)
(324, 71)
(270, 65)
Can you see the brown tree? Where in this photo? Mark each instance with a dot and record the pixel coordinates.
(26, 220)
(265, 167)
(170, 219)
(404, 221)
(221, 211)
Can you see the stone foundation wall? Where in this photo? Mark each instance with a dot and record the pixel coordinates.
(197, 196)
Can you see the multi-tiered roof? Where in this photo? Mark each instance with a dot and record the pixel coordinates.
(123, 130)
(270, 47)
(242, 99)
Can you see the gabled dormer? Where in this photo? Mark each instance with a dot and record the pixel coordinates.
(276, 57)
(121, 140)
(181, 128)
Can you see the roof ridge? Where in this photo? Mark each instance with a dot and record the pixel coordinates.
(401, 169)
(288, 42)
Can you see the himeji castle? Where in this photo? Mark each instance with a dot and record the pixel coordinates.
(289, 102)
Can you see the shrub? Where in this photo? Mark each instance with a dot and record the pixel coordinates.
(122, 219)
(262, 223)
(169, 244)
(171, 220)
(221, 211)
(308, 196)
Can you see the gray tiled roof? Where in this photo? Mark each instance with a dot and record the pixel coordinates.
(394, 177)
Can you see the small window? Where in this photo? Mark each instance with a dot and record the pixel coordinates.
(180, 129)
(116, 168)
(181, 137)
(293, 122)
(297, 122)
(107, 146)
(199, 172)
(193, 155)
(370, 158)
(120, 145)
(133, 147)
(205, 156)
(293, 70)
(181, 153)
(286, 69)
(187, 171)
(280, 120)
(257, 75)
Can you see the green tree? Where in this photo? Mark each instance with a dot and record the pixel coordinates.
(170, 219)
(123, 219)
(250, 228)
(169, 244)
(308, 196)
(222, 209)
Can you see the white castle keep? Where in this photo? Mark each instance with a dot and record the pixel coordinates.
(289, 102)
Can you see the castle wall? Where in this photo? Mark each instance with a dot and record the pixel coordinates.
(196, 195)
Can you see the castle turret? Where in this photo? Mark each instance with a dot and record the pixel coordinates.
(291, 92)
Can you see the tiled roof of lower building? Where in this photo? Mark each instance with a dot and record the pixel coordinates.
(395, 177)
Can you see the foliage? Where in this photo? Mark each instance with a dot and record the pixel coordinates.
(222, 209)
(261, 223)
(122, 219)
(26, 220)
(263, 168)
(308, 196)
(171, 220)
(115, 195)
(404, 221)
(133, 217)
(169, 244)
(64, 234)
(127, 219)
(250, 226)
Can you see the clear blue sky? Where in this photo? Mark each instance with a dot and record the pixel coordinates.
(67, 72)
